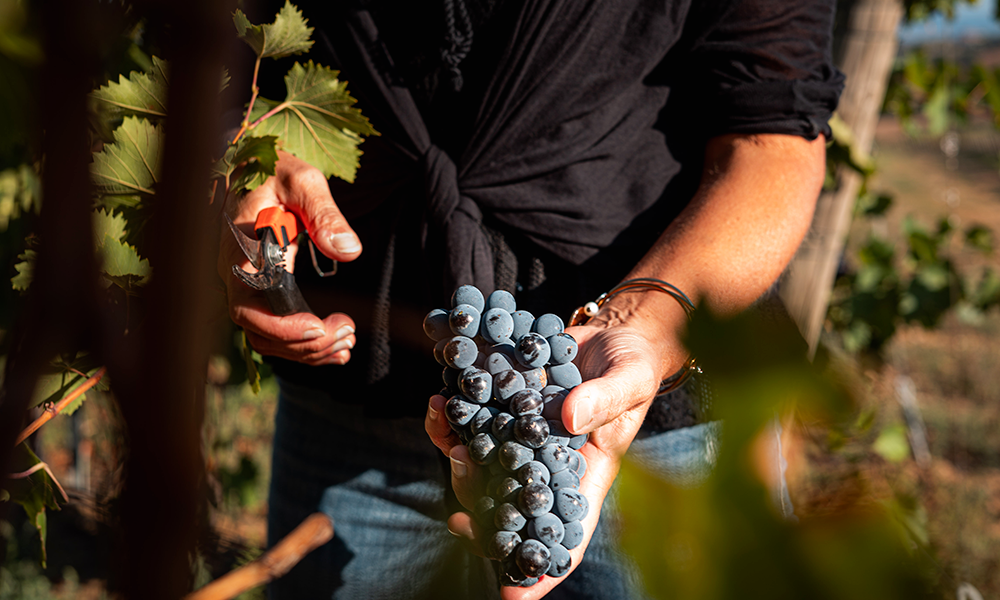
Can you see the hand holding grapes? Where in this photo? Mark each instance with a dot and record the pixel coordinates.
(623, 355)
(301, 337)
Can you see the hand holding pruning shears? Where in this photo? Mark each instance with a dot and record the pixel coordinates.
(263, 297)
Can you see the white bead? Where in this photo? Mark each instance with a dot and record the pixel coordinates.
(590, 309)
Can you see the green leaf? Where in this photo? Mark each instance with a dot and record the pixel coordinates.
(139, 94)
(892, 444)
(121, 261)
(256, 155)
(132, 163)
(34, 493)
(980, 237)
(63, 375)
(317, 121)
(875, 206)
(288, 35)
(108, 224)
(25, 271)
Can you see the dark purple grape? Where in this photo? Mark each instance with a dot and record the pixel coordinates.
(554, 456)
(508, 518)
(558, 433)
(500, 358)
(506, 384)
(485, 510)
(570, 505)
(460, 352)
(533, 472)
(523, 320)
(535, 499)
(476, 384)
(439, 351)
(494, 483)
(573, 536)
(551, 393)
(503, 427)
(548, 325)
(547, 529)
(526, 402)
(532, 431)
(578, 462)
(567, 375)
(459, 411)
(560, 562)
(533, 558)
(436, 324)
(513, 455)
(564, 348)
(464, 320)
(577, 441)
(468, 294)
(502, 544)
(511, 574)
(496, 325)
(535, 379)
(508, 490)
(482, 422)
(483, 449)
(450, 377)
(533, 351)
(565, 479)
(502, 299)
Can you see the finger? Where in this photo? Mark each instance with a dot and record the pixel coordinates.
(624, 386)
(307, 193)
(465, 528)
(464, 476)
(249, 310)
(437, 426)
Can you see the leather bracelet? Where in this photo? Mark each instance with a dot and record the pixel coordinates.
(590, 310)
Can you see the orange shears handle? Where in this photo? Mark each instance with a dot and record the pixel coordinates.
(284, 225)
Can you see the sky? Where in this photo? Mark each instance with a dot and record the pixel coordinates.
(970, 20)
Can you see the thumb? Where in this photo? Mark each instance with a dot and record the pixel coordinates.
(601, 400)
(307, 193)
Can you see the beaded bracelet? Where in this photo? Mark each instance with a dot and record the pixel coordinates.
(590, 309)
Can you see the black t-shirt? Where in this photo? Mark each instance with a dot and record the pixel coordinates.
(575, 138)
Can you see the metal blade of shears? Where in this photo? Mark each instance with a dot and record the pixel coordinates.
(249, 246)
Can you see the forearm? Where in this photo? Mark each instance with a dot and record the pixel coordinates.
(751, 211)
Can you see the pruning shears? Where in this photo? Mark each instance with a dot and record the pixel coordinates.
(275, 230)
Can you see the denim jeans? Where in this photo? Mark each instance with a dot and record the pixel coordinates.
(385, 486)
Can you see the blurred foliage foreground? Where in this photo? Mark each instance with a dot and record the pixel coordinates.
(724, 538)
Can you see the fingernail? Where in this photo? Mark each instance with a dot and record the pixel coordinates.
(458, 468)
(433, 414)
(344, 242)
(312, 334)
(343, 332)
(341, 345)
(453, 533)
(583, 414)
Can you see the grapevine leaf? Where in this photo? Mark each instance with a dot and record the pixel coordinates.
(62, 376)
(132, 163)
(4, 496)
(35, 493)
(892, 444)
(225, 166)
(25, 271)
(317, 121)
(110, 224)
(121, 262)
(980, 237)
(139, 94)
(258, 156)
(288, 35)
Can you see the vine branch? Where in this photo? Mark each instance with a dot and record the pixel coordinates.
(47, 416)
(311, 533)
(254, 90)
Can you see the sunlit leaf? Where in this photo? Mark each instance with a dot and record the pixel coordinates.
(317, 120)
(257, 157)
(139, 94)
(34, 493)
(121, 260)
(892, 443)
(25, 271)
(132, 163)
(110, 224)
(287, 35)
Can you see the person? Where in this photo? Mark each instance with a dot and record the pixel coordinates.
(553, 149)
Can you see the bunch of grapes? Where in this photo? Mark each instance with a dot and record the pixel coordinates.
(506, 375)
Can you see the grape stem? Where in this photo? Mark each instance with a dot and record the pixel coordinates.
(313, 532)
(48, 414)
